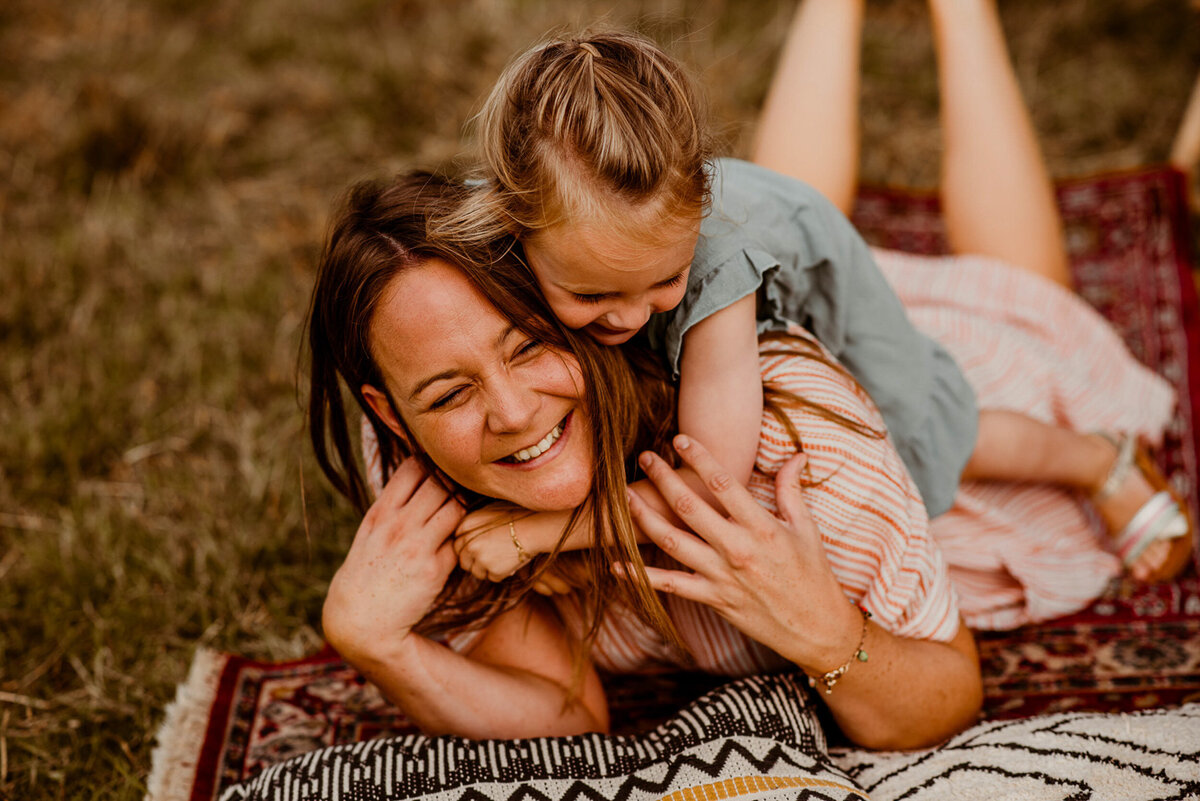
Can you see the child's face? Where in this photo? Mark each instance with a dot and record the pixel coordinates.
(608, 284)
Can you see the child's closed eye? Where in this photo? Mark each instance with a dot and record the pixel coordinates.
(589, 298)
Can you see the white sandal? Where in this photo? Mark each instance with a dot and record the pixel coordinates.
(1163, 517)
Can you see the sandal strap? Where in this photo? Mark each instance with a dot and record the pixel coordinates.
(1121, 466)
(1160, 518)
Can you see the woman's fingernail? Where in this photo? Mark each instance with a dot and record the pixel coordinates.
(645, 460)
(682, 443)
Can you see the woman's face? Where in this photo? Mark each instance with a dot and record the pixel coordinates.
(499, 413)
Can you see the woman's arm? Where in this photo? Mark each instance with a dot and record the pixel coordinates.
(512, 682)
(771, 579)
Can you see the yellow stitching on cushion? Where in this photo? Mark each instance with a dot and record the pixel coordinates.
(745, 785)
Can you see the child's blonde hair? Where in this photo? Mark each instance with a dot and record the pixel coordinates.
(576, 123)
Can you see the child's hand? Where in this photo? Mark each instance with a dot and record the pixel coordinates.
(485, 548)
(486, 545)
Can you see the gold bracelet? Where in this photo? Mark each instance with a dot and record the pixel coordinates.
(521, 552)
(831, 678)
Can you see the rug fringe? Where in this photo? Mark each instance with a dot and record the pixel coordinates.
(185, 722)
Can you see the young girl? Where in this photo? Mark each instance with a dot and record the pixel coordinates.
(598, 162)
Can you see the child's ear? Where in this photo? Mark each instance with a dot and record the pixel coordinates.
(379, 403)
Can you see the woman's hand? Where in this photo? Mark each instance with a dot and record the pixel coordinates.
(766, 576)
(770, 578)
(399, 561)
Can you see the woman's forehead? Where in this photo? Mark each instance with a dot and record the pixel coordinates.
(428, 318)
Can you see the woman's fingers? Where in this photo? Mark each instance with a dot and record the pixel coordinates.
(553, 583)
(789, 496)
(402, 483)
(672, 540)
(685, 503)
(447, 517)
(691, 586)
(738, 502)
(426, 500)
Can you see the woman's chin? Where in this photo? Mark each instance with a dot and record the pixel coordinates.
(558, 498)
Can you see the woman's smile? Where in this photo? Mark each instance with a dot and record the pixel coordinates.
(543, 451)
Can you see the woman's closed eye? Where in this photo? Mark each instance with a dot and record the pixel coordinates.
(529, 347)
(447, 399)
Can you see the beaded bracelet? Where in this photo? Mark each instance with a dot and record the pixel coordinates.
(831, 678)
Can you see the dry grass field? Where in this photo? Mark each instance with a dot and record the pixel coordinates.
(166, 168)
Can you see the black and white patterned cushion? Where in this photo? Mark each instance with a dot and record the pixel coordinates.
(755, 738)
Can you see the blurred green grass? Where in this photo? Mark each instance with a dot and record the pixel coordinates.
(165, 173)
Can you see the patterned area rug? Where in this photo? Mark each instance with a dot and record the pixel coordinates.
(1129, 241)
(1137, 648)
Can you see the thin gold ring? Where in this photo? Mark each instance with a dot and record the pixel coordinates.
(522, 554)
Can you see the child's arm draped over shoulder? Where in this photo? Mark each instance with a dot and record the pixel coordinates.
(720, 387)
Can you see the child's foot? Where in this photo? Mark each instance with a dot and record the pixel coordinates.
(1151, 527)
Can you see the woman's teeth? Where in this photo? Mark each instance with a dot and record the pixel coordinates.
(525, 454)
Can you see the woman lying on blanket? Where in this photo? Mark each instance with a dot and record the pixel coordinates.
(604, 190)
(459, 364)
(456, 363)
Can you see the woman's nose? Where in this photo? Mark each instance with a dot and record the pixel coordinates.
(512, 405)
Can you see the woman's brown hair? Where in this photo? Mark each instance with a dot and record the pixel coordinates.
(382, 230)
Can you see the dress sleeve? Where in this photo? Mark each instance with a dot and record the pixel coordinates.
(870, 514)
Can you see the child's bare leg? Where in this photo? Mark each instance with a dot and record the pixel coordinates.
(808, 127)
(996, 192)
(1013, 447)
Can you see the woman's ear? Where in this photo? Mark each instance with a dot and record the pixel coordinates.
(382, 406)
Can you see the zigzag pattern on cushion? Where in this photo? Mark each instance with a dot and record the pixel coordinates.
(753, 738)
(1142, 756)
